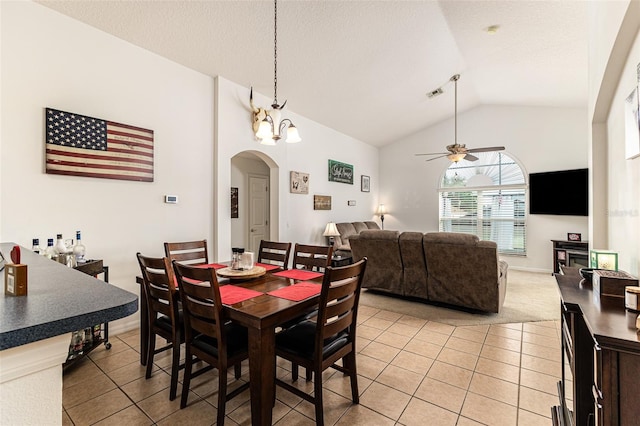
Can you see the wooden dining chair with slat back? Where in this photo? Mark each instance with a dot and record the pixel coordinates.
(318, 344)
(274, 253)
(188, 252)
(208, 336)
(164, 317)
(311, 257)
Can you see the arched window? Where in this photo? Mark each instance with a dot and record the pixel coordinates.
(486, 198)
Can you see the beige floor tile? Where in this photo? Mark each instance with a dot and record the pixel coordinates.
(456, 376)
(462, 345)
(418, 411)
(493, 388)
(242, 414)
(539, 381)
(99, 408)
(537, 339)
(526, 418)
(101, 351)
(498, 354)
(488, 411)
(367, 310)
(541, 351)
(380, 351)
(85, 391)
(379, 323)
(361, 343)
(413, 362)
(431, 336)
(537, 402)
(388, 315)
(407, 330)
(358, 415)
(470, 335)
(115, 361)
(196, 414)
(439, 327)
(142, 388)
(509, 333)
(463, 421)
(130, 416)
(476, 328)
(503, 342)
(400, 379)
(385, 400)
(499, 370)
(369, 367)
(412, 321)
(81, 371)
(423, 348)
(441, 394)
(294, 418)
(66, 420)
(234, 403)
(398, 341)
(158, 406)
(368, 332)
(334, 407)
(535, 328)
(130, 372)
(542, 365)
(511, 325)
(457, 358)
(341, 384)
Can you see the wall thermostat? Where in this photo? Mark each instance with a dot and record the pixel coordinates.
(171, 199)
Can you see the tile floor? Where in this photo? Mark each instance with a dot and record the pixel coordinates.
(411, 372)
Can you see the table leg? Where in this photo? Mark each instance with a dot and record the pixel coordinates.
(261, 374)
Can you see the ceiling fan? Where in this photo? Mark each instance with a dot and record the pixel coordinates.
(457, 152)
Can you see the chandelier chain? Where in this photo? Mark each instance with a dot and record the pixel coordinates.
(275, 52)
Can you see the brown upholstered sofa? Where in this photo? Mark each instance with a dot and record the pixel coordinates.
(347, 230)
(446, 267)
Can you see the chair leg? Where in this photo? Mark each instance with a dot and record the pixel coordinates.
(175, 367)
(237, 369)
(317, 390)
(187, 379)
(222, 395)
(294, 371)
(309, 374)
(349, 363)
(151, 348)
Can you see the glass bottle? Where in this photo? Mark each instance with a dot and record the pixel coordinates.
(79, 249)
(50, 251)
(77, 343)
(97, 332)
(60, 245)
(36, 246)
(235, 258)
(240, 262)
(88, 337)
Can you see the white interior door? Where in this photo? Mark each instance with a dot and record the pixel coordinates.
(258, 211)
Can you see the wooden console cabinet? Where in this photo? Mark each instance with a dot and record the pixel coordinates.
(601, 347)
(570, 253)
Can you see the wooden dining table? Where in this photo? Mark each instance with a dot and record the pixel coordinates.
(261, 315)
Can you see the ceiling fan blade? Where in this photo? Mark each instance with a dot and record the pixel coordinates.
(487, 149)
(470, 157)
(434, 153)
(435, 158)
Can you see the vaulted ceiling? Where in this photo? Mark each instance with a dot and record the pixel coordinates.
(363, 67)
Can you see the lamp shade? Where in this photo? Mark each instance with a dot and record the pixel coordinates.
(330, 230)
(292, 134)
(604, 259)
(381, 210)
(264, 131)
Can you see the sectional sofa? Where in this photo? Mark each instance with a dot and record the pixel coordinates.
(445, 267)
(347, 230)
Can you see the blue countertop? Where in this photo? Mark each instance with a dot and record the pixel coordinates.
(59, 300)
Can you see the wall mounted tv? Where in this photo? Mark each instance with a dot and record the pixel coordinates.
(564, 192)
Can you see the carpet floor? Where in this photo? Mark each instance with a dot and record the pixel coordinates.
(530, 297)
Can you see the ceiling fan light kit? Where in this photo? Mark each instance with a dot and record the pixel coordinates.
(457, 152)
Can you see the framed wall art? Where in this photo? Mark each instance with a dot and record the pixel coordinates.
(574, 236)
(340, 172)
(234, 203)
(365, 183)
(299, 183)
(322, 202)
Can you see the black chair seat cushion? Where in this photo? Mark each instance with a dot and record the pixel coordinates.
(300, 340)
(164, 322)
(237, 341)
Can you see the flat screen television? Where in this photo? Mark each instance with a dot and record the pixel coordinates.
(564, 192)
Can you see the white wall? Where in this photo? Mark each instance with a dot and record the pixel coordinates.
(540, 139)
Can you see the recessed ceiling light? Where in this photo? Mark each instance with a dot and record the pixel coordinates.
(492, 29)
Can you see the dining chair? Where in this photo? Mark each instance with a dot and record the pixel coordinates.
(164, 317)
(314, 258)
(208, 337)
(188, 252)
(275, 253)
(318, 344)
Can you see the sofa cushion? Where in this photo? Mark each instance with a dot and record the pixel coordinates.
(371, 224)
(384, 265)
(414, 268)
(346, 230)
(359, 226)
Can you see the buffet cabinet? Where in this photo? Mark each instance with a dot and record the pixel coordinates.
(601, 357)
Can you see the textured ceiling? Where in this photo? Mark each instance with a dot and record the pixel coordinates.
(364, 67)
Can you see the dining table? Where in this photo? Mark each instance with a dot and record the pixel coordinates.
(262, 313)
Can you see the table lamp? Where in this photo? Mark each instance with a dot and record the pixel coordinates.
(331, 231)
(604, 259)
(381, 211)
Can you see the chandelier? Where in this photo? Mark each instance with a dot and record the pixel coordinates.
(268, 125)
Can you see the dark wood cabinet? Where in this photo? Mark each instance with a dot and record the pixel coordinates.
(601, 347)
(570, 253)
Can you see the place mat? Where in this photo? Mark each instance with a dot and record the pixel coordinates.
(231, 294)
(212, 265)
(267, 267)
(299, 274)
(240, 274)
(298, 291)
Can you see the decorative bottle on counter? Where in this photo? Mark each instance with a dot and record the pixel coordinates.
(79, 249)
(36, 246)
(60, 245)
(235, 259)
(50, 251)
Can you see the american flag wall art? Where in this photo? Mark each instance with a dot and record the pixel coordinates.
(78, 145)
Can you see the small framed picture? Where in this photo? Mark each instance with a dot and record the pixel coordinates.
(574, 236)
(322, 202)
(365, 183)
(562, 255)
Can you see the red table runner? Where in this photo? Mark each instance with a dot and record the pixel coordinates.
(299, 274)
(297, 292)
(267, 266)
(231, 294)
(212, 265)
